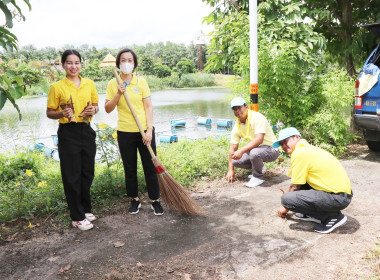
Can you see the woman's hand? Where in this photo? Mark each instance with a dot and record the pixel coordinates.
(121, 89)
(90, 111)
(148, 137)
(67, 112)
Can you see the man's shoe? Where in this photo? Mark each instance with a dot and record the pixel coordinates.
(83, 225)
(304, 217)
(254, 182)
(90, 217)
(331, 224)
(157, 208)
(263, 171)
(134, 208)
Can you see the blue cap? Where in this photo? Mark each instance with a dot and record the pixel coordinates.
(237, 101)
(285, 133)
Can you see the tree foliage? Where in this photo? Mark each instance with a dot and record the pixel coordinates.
(161, 70)
(11, 11)
(337, 21)
(296, 87)
(146, 64)
(184, 66)
(12, 86)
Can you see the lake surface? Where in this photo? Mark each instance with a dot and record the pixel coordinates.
(167, 105)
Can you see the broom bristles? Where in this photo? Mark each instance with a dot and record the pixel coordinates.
(174, 195)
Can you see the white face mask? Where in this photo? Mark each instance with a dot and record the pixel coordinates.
(127, 68)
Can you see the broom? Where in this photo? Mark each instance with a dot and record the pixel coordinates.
(174, 195)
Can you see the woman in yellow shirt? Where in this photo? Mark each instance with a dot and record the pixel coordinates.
(128, 135)
(74, 100)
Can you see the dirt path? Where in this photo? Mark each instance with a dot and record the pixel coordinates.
(241, 238)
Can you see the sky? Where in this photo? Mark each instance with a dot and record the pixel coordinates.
(110, 23)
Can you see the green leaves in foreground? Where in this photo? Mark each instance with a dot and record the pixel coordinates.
(11, 88)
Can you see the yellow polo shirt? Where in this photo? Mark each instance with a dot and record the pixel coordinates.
(320, 169)
(136, 91)
(258, 124)
(61, 91)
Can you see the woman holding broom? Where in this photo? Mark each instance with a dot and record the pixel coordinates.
(128, 135)
(74, 100)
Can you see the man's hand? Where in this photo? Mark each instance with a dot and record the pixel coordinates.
(237, 155)
(283, 190)
(230, 176)
(282, 212)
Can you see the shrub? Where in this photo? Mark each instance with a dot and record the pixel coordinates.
(161, 70)
(35, 188)
(188, 161)
(12, 166)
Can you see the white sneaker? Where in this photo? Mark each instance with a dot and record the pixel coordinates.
(83, 225)
(254, 182)
(90, 217)
(264, 169)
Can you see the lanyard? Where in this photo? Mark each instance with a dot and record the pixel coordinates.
(127, 84)
(248, 124)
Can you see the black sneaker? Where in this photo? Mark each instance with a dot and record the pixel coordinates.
(304, 217)
(157, 208)
(134, 208)
(331, 224)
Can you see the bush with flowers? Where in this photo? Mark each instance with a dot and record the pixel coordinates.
(31, 184)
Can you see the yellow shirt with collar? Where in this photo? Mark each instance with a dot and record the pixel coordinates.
(258, 124)
(137, 91)
(61, 91)
(320, 169)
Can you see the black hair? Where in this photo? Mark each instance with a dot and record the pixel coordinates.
(124, 51)
(66, 53)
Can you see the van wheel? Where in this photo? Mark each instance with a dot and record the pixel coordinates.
(374, 145)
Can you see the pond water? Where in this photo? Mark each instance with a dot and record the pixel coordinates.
(168, 105)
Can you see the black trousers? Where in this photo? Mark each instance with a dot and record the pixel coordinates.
(77, 149)
(129, 143)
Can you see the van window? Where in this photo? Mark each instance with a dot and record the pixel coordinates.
(376, 57)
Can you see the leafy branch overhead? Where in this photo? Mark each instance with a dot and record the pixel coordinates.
(11, 11)
(12, 87)
(333, 26)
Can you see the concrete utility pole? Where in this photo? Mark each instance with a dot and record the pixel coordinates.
(253, 72)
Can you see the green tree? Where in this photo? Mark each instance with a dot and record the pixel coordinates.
(49, 53)
(291, 76)
(337, 20)
(185, 66)
(146, 64)
(28, 74)
(11, 87)
(92, 71)
(11, 11)
(161, 70)
(29, 52)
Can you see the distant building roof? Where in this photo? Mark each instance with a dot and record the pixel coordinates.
(108, 61)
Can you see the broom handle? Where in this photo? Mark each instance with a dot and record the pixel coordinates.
(133, 113)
